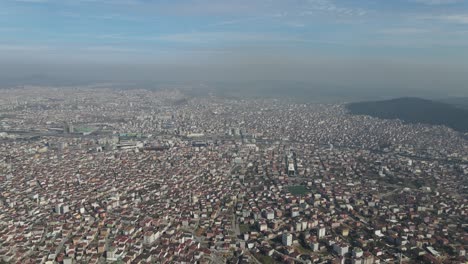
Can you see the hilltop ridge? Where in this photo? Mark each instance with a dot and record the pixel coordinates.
(414, 110)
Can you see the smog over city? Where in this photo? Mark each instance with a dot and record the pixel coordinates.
(216, 131)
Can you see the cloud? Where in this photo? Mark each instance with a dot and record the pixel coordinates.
(111, 49)
(9, 29)
(459, 19)
(327, 6)
(219, 37)
(61, 48)
(437, 2)
(32, 1)
(295, 24)
(23, 48)
(250, 19)
(405, 31)
(452, 18)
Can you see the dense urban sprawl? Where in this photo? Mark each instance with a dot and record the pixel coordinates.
(92, 175)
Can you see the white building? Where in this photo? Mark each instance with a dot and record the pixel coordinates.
(340, 248)
(357, 252)
(262, 226)
(270, 214)
(287, 239)
(321, 232)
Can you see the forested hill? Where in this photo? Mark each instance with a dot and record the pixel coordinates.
(414, 110)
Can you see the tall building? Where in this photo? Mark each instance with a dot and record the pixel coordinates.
(287, 239)
(61, 208)
(341, 248)
(291, 170)
(321, 232)
(291, 163)
(68, 128)
(357, 252)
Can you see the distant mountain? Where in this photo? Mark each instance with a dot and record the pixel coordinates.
(414, 110)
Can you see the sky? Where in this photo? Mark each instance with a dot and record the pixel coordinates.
(406, 44)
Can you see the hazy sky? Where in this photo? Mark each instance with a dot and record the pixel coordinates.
(419, 44)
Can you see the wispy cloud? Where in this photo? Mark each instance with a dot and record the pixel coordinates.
(32, 1)
(460, 18)
(243, 39)
(250, 19)
(405, 31)
(220, 37)
(328, 6)
(295, 24)
(107, 2)
(111, 49)
(451, 18)
(109, 16)
(24, 48)
(9, 29)
(437, 2)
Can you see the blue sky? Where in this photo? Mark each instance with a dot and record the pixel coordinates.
(433, 33)
(174, 28)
